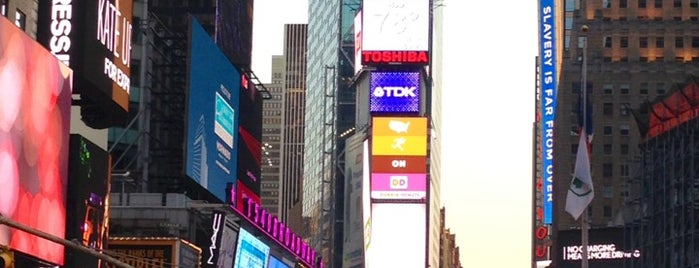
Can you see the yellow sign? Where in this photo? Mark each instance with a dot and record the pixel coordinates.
(399, 145)
(399, 126)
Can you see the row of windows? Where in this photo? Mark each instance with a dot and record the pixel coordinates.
(644, 3)
(624, 130)
(643, 41)
(20, 17)
(624, 88)
(606, 211)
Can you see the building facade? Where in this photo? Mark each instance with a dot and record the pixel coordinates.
(22, 13)
(448, 250)
(293, 124)
(271, 139)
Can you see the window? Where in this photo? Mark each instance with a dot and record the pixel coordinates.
(568, 22)
(660, 88)
(624, 88)
(608, 89)
(607, 130)
(607, 211)
(643, 88)
(624, 170)
(659, 58)
(624, 130)
(20, 19)
(623, 3)
(679, 42)
(607, 170)
(608, 108)
(641, 3)
(624, 109)
(694, 3)
(643, 59)
(643, 42)
(624, 149)
(607, 41)
(695, 41)
(608, 192)
(607, 149)
(3, 7)
(570, 5)
(659, 42)
(624, 42)
(658, 3)
(606, 3)
(677, 3)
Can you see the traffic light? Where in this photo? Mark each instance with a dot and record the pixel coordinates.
(7, 257)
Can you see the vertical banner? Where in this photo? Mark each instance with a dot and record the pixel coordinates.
(547, 43)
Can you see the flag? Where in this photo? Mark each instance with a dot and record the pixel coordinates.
(581, 191)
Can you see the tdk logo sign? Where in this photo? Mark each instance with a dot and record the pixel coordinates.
(399, 182)
(380, 92)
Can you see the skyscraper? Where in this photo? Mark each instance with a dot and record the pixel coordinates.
(636, 51)
(293, 107)
(330, 103)
(271, 139)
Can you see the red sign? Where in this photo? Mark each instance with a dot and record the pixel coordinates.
(394, 57)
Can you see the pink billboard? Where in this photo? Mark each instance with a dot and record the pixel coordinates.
(404, 186)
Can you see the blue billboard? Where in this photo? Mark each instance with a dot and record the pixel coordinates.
(547, 55)
(394, 92)
(212, 115)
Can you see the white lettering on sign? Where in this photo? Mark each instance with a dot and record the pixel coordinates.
(61, 26)
(114, 32)
(598, 252)
(394, 92)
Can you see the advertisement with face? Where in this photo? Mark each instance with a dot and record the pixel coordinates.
(212, 115)
(34, 129)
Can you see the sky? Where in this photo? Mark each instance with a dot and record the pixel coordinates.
(488, 111)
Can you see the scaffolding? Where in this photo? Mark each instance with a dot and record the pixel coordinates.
(665, 211)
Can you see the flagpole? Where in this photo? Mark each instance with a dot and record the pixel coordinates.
(583, 218)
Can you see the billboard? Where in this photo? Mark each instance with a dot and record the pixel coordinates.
(212, 115)
(250, 130)
(395, 32)
(358, 42)
(87, 204)
(276, 263)
(234, 30)
(250, 251)
(605, 248)
(398, 236)
(399, 136)
(548, 72)
(155, 252)
(94, 39)
(34, 130)
(220, 238)
(394, 92)
(399, 186)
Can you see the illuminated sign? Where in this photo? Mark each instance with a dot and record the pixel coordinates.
(357, 42)
(399, 126)
(394, 57)
(94, 39)
(398, 237)
(547, 55)
(217, 229)
(395, 32)
(394, 92)
(599, 252)
(399, 164)
(399, 145)
(279, 232)
(405, 186)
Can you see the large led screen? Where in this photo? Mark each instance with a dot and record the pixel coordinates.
(276, 263)
(605, 246)
(394, 92)
(34, 128)
(547, 55)
(234, 30)
(250, 130)
(94, 39)
(250, 251)
(399, 136)
(87, 204)
(398, 236)
(212, 115)
(395, 32)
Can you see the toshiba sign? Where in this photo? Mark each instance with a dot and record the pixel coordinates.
(395, 32)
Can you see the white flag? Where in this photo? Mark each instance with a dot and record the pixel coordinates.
(581, 192)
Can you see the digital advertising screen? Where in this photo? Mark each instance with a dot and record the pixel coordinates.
(399, 136)
(94, 39)
(250, 251)
(605, 248)
(219, 241)
(549, 89)
(394, 92)
(395, 32)
(250, 134)
(86, 206)
(144, 252)
(212, 115)
(34, 130)
(398, 236)
(276, 263)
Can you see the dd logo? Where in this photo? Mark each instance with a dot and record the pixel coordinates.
(399, 182)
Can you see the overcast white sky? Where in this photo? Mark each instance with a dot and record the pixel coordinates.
(488, 110)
